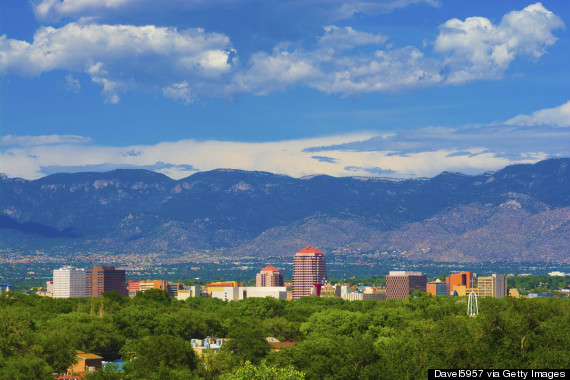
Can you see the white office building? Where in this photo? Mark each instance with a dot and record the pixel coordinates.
(69, 282)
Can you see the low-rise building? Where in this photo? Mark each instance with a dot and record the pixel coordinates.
(86, 362)
(5, 288)
(209, 344)
(219, 286)
(437, 288)
(192, 291)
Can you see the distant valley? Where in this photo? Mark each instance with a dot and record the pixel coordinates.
(519, 213)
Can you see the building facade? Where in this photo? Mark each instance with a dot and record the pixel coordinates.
(269, 276)
(437, 288)
(309, 269)
(493, 286)
(5, 288)
(69, 282)
(400, 284)
(466, 279)
(105, 279)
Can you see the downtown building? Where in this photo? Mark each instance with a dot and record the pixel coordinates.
(458, 283)
(69, 282)
(493, 286)
(269, 276)
(400, 284)
(309, 269)
(105, 279)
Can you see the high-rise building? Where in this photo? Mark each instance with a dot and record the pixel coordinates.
(105, 279)
(460, 279)
(400, 284)
(309, 268)
(269, 276)
(493, 286)
(69, 282)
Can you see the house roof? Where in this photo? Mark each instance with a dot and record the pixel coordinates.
(270, 268)
(309, 249)
(83, 355)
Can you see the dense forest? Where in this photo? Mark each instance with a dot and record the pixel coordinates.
(336, 339)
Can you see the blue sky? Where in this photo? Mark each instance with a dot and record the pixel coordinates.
(392, 88)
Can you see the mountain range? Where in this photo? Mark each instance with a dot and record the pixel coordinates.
(519, 213)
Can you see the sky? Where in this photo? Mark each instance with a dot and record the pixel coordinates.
(385, 88)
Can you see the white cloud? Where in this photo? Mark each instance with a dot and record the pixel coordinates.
(11, 140)
(348, 38)
(179, 91)
(72, 84)
(121, 57)
(331, 68)
(422, 152)
(477, 49)
(558, 116)
(189, 64)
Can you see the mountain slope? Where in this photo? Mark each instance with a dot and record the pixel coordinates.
(517, 213)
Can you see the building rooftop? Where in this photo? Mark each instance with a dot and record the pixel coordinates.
(310, 249)
(84, 355)
(270, 268)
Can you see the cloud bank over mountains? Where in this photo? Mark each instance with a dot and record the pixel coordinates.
(190, 64)
(417, 153)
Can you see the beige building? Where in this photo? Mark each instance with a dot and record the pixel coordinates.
(269, 276)
(309, 268)
(493, 286)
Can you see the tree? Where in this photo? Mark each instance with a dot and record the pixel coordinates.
(147, 356)
(249, 371)
(246, 343)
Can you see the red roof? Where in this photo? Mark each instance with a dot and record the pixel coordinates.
(270, 268)
(309, 249)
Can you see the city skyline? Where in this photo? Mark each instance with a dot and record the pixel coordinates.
(392, 89)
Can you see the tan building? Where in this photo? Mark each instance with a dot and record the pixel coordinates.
(493, 286)
(220, 286)
(86, 363)
(463, 291)
(309, 268)
(269, 276)
(400, 284)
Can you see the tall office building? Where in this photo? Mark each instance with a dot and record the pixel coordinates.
(69, 282)
(269, 276)
(460, 279)
(104, 279)
(400, 284)
(309, 268)
(494, 286)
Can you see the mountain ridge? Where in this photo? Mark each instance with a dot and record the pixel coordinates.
(136, 210)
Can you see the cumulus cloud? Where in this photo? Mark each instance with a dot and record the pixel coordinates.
(186, 65)
(477, 49)
(557, 116)
(333, 68)
(11, 140)
(120, 57)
